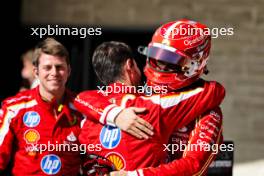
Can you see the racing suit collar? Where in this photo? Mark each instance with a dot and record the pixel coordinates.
(61, 108)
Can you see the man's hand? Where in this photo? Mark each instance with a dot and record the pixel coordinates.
(119, 173)
(128, 121)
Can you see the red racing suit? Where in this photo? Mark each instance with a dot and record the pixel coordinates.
(31, 124)
(166, 113)
(202, 139)
(1, 116)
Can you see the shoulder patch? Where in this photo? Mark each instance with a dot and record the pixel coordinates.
(11, 112)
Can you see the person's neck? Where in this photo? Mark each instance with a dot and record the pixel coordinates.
(49, 96)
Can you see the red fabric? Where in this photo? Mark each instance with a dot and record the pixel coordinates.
(164, 114)
(19, 133)
(194, 161)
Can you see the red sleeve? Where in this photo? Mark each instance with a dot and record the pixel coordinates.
(182, 108)
(185, 105)
(196, 158)
(6, 138)
(95, 105)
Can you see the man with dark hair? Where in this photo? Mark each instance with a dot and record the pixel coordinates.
(170, 66)
(108, 61)
(44, 117)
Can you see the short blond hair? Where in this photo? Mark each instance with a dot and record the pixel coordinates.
(52, 47)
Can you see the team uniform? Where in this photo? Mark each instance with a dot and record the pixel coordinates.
(1, 116)
(166, 112)
(185, 56)
(201, 139)
(29, 122)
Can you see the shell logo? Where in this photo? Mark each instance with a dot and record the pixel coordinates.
(117, 160)
(31, 136)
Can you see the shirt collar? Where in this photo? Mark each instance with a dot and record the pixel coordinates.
(61, 109)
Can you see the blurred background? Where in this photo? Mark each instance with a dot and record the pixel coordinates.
(236, 61)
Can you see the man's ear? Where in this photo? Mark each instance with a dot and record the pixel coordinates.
(129, 64)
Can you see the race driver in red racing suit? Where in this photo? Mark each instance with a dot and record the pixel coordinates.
(206, 129)
(31, 121)
(34, 121)
(212, 136)
(128, 153)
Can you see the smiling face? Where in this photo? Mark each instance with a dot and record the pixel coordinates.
(52, 72)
